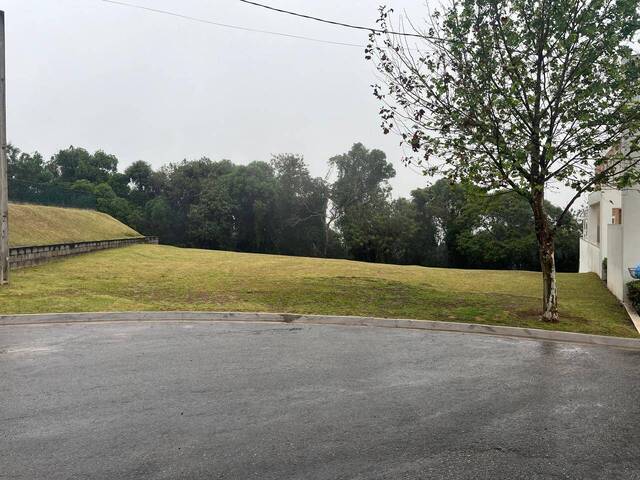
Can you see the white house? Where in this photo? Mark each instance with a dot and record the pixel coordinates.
(612, 232)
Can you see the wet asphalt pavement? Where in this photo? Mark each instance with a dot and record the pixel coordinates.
(275, 401)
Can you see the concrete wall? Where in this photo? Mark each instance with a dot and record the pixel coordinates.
(615, 277)
(593, 218)
(590, 258)
(610, 199)
(21, 257)
(631, 224)
(594, 248)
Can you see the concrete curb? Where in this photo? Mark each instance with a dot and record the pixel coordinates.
(635, 318)
(516, 332)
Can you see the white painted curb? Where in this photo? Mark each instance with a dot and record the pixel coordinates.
(526, 333)
(635, 318)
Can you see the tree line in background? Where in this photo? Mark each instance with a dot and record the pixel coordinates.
(278, 207)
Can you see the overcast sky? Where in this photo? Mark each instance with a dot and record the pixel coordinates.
(143, 85)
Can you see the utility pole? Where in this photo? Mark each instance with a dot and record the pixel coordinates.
(4, 196)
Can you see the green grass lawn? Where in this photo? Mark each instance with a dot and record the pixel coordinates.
(151, 277)
(40, 225)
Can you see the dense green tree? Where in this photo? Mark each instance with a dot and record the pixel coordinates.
(280, 208)
(429, 247)
(183, 185)
(389, 233)
(211, 220)
(185, 179)
(253, 189)
(30, 180)
(119, 183)
(414, 234)
(444, 211)
(86, 187)
(73, 164)
(27, 173)
(500, 234)
(358, 196)
(300, 207)
(235, 210)
(159, 219)
(26, 167)
(492, 231)
(108, 201)
(140, 175)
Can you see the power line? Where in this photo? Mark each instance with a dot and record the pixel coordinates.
(431, 38)
(226, 25)
(333, 22)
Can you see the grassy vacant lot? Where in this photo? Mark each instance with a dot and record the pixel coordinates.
(40, 225)
(149, 277)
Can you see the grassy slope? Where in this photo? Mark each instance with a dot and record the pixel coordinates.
(148, 277)
(40, 225)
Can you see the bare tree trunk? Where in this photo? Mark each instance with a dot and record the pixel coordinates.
(546, 245)
(550, 290)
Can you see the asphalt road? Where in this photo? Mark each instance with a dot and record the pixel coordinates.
(274, 401)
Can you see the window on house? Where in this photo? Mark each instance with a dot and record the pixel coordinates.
(616, 216)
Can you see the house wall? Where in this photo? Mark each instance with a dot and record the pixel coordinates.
(615, 261)
(594, 248)
(590, 258)
(631, 224)
(610, 199)
(618, 243)
(593, 217)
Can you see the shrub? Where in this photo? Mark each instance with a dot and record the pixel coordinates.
(634, 293)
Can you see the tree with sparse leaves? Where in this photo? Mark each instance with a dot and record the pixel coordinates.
(519, 95)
